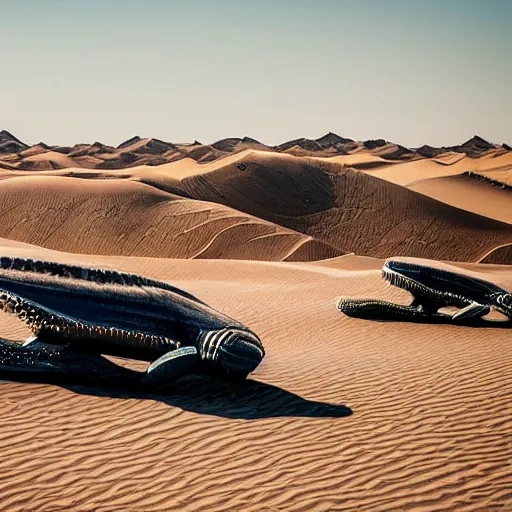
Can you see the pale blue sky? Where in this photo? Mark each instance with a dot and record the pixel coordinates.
(410, 71)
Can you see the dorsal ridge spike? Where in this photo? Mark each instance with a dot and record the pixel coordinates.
(97, 275)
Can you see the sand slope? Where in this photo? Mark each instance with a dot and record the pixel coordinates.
(349, 209)
(501, 255)
(428, 430)
(447, 164)
(501, 178)
(42, 161)
(338, 206)
(469, 193)
(121, 217)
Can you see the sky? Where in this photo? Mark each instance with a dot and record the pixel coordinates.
(410, 71)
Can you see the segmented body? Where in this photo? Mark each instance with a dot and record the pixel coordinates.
(433, 289)
(109, 312)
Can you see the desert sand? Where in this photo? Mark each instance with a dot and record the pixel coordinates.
(342, 414)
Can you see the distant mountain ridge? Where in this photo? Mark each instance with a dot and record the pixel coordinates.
(138, 151)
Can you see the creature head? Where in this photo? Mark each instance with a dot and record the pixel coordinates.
(437, 283)
(234, 351)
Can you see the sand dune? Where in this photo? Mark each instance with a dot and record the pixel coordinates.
(345, 208)
(127, 218)
(329, 201)
(138, 151)
(410, 172)
(46, 160)
(234, 144)
(6, 166)
(500, 178)
(343, 414)
(152, 146)
(37, 149)
(407, 173)
(470, 194)
(501, 255)
(358, 160)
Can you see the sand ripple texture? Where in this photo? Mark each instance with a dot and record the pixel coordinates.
(261, 205)
(343, 414)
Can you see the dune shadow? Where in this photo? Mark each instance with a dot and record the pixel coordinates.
(248, 400)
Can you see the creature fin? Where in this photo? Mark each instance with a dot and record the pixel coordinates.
(473, 310)
(170, 366)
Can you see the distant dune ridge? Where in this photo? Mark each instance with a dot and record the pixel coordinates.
(147, 151)
(342, 414)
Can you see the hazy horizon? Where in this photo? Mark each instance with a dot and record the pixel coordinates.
(435, 72)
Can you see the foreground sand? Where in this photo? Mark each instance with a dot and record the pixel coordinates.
(419, 416)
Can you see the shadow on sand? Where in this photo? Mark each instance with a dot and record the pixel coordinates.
(248, 400)
(91, 374)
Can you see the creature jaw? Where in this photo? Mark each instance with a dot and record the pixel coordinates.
(237, 351)
(503, 303)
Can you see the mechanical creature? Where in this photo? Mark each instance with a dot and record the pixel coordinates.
(433, 289)
(78, 314)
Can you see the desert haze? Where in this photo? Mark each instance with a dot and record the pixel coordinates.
(343, 413)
